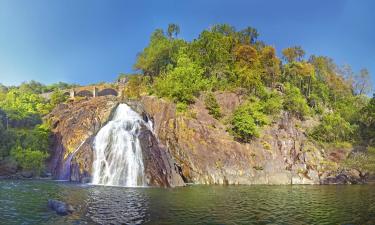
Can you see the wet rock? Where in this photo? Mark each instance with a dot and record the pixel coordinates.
(61, 208)
(80, 121)
(72, 124)
(27, 174)
(345, 177)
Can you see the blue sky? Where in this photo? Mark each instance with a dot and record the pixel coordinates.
(89, 41)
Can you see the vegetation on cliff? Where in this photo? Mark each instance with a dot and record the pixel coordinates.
(225, 59)
(24, 138)
(221, 58)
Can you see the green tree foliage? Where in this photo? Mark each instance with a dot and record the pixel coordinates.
(295, 102)
(212, 106)
(160, 54)
(29, 159)
(247, 119)
(213, 52)
(248, 35)
(26, 106)
(367, 122)
(333, 128)
(222, 58)
(173, 30)
(58, 97)
(183, 82)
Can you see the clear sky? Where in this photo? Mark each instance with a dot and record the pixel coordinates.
(88, 41)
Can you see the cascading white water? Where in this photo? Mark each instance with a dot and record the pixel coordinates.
(118, 157)
(65, 173)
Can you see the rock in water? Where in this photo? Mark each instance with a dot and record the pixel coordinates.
(61, 208)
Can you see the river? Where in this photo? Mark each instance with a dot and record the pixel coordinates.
(25, 202)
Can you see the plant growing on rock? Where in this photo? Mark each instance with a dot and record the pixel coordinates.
(247, 119)
(29, 159)
(333, 128)
(212, 106)
(295, 102)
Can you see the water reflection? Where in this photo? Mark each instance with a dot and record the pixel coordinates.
(117, 205)
(25, 202)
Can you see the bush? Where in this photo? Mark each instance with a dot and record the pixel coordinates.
(212, 106)
(333, 128)
(272, 104)
(362, 161)
(246, 121)
(135, 87)
(295, 102)
(29, 159)
(58, 97)
(182, 83)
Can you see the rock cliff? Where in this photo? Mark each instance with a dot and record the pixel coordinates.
(77, 122)
(194, 147)
(207, 154)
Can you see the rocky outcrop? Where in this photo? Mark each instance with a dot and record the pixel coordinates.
(75, 125)
(207, 154)
(194, 147)
(61, 208)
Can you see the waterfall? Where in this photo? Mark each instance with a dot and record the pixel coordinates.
(65, 174)
(118, 157)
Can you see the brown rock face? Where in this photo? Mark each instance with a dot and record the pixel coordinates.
(75, 126)
(206, 153)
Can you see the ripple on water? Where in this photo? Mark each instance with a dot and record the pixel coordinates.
(24, 202)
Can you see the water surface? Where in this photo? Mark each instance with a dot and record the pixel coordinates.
(25, 202)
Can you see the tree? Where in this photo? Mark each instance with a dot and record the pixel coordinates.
(182, 83)
(29, 159)
(333, 128)
(224, 29)
(300, 74)
(294, 102)
(362, 82)
(248, 35)
(270, 64)
(58, 97)
(160, 54)
(212, 105)
(245, 55)
(247, 119)
(173, 29)
(367, 122)
(213, 52)
(292, 54)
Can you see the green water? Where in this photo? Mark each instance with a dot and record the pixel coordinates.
(25, 202)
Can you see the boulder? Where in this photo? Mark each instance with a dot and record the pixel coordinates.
(61, 208)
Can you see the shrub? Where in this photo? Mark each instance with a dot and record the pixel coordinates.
(333, 128)
(183, 82)
(212, 106)
(295, 102)
(29, 159)
(58, 97)
(135, 86)
(272, 104)
(246, 121)
(362, 161)
(181, 107)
